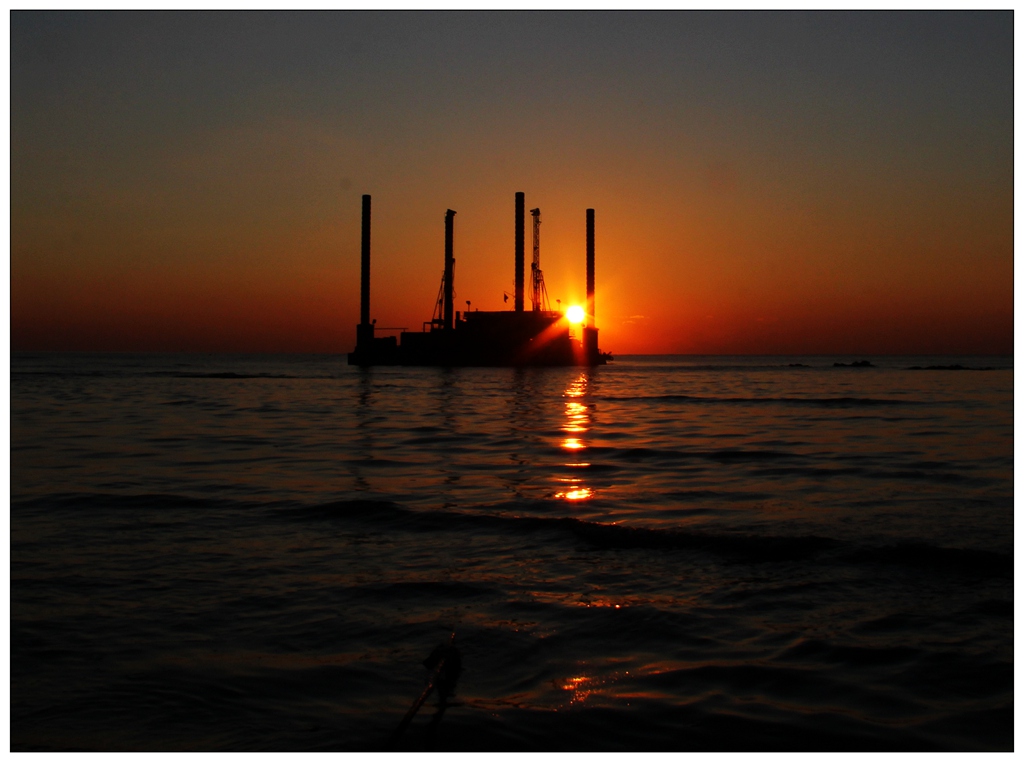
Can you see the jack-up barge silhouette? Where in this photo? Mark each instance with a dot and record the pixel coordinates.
(519, 337)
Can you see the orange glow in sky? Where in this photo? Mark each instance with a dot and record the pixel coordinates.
(796, 185)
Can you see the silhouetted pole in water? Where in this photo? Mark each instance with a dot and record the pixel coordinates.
(536, 277)
(446, 663)
(364, 294)
(364, 333)
(520, 245)
(591, 322)
(590, 328)
(449, 268)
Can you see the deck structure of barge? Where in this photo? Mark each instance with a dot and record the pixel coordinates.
(516, 337)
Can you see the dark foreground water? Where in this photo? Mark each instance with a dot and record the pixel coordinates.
(256, 553)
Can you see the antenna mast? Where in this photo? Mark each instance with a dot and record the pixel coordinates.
(539, 295)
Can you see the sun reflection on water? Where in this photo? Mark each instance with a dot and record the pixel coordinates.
(577, 418)
(581, 687)
(575, 425)
(576, 493)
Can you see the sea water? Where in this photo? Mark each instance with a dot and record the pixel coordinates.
(227, 552)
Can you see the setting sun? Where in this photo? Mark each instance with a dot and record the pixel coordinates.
(575, 314)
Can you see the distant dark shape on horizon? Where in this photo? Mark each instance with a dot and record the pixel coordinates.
(947, 367)
(520, 337)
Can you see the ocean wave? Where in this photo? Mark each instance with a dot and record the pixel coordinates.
(827, 402)
(733, 547)
(227, 375)
(920, 555)
(67, 373)
(953, 367)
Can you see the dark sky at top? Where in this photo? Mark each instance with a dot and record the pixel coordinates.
(794, 181)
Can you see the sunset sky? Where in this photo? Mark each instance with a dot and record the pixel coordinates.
(763, 182)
